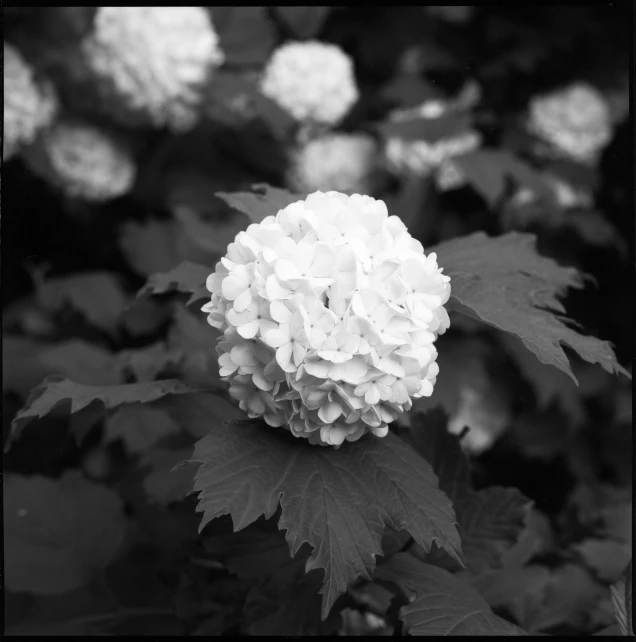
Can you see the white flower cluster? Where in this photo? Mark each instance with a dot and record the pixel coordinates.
(29, 105)
(422, 158)
(346, 163)
(576, 121)
(313, 81)
(566, 195)
(82, 160)
(330, 311)
(151, 63)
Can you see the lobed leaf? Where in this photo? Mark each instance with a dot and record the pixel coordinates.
(187, 277)
(504, 282)
(259, 205)
(445, 604)
(339, 501)
(622, 601)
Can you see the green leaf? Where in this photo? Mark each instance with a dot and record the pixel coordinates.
(623, 600)
(165, 484)
(504, 282)
(26, 363)
(490, 520)
(55, 391)
(247, 35)
(146, 364)
(58, 533)
(187, 277)
(303, 22)
(339, 501)
(445, 605)
(431, 130)
(488, 171)
(98, 296)
(259, 205)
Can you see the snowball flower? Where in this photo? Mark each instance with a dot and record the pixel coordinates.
(576, 121)
(314, 81)
(151, 63)
(422, 158)
(29, 105)
(344, 163)
(329, 312)
(82, 160)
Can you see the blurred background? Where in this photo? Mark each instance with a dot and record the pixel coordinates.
(121, 124)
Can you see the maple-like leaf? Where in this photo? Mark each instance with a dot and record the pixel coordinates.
(55, 391)
(504, 282)
(96, 295)
(259, 205)
(339, 501)
(490, 520)
(187, 277)
(444, 604)
(58, 533)
(622, 601)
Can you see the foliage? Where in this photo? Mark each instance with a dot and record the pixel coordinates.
(139, 499)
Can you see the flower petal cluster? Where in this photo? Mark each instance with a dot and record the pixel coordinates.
(151, 63)
(330, 310)
(421, 158)
(346, 163)
(29, 105)
(314, 81)
(576, 121)
(82, 160)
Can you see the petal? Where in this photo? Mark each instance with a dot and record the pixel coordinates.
(277, 338)
(299, 352)
(249, 330)
(275, 290)
(286, 270)
(329, 412)
(265, 325)
(232, 286)
(280, 312)
(242, 355)
(372, 395)
(283, 355)
(243, 300)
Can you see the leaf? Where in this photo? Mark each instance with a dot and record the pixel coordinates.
(139, 427)
(339, 501)
(488, 170)
(622, 601)
(26, 363)
(166, 484)
(146, 364)
(96, 295)
(431, 130)
(490, 520)
(246, 33)
(187, 277)
(504, 282)
(445, 605)
(259, 205)
(58, 533)
(55, 391)
(410, 90)
(303, 22)
(606, 558)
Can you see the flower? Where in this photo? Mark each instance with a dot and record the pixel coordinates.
(29, 105)
(82, 160)
(152, 63)
(346, 163)
(314, 81)
(575, 121)
(422, 158)
(329, 312)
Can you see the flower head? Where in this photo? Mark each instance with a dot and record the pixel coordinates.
(346, 163)
(575, 121)
(151, 63)
(313, 81)
(329, 310)
(29, 105)
(82, 160)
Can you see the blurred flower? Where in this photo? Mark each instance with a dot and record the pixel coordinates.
(457, 14)
(151, 63)
(82, 160)
(566, 195)
(345, 163)
(330, 310)
(575, 121)
(313, 81)
(422, 158)
(29, 105)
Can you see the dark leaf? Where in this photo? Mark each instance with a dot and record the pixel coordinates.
(164, 484)
(622, 601)
(187, 277)
(504, 282)
(257, 205)
(303, 22)
(58, 533)
(445, 604)
(430, 130)
(353, 492)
